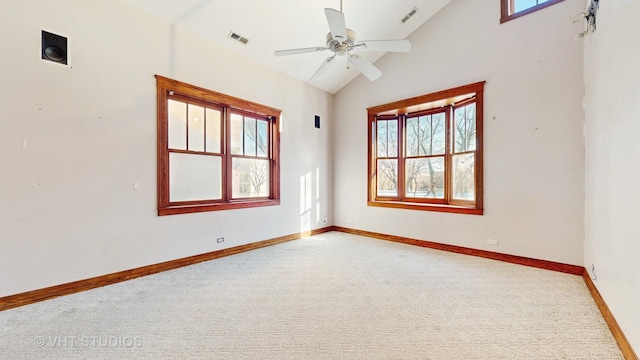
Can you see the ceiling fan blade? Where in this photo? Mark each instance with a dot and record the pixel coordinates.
(299, 51)
(365, 67)
(337, 25)
(323, 68)
(386, 45)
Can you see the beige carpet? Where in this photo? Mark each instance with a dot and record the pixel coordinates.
(331, 296)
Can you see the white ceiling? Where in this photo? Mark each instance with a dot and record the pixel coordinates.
(283, 24)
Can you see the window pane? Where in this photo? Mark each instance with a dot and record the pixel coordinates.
(387, 177)
(392, 128)
(438, 126)
(263, 138)
(464, 177)
(465, 132)
(412, 136)
(425, 178)
(425, 135)
(236, 134)
(196, 128)
(213, 130)
(250, 135)
(471, 126)
(425, 146)
(177, 125)
(525, 4)
(250, 178)
(382, 138)
(194, 177)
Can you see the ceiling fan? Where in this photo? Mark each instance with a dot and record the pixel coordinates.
(342, 42)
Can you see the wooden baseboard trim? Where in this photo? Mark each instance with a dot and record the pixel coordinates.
(621, 339)
(543, 264)
(34, 296)
(30, 297)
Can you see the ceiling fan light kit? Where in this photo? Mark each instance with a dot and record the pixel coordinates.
(342, 41)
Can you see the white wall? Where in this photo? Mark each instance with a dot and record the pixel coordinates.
(68, 210)
(612, 78)
(534, 150)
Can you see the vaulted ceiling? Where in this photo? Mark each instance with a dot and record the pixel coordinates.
(283, 24)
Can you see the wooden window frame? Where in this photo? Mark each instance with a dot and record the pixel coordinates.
(168, 88)
(506, 6)
(421, 105)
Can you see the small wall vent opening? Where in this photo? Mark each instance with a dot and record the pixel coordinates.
(239, 38)
(409, 15)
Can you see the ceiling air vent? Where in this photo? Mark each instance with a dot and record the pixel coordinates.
(241, 39)
(409, 15)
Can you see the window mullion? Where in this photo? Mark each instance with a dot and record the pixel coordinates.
(163, 156)
(401, 155)
(204, 133)
(186, 123)
(448, 149)
(244, 150)
(227, 156)
(373, 157)
(270, 150)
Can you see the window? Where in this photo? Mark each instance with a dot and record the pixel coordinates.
(511, 9)
(425, 153)
(215, 152)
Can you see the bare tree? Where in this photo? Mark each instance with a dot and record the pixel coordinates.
(388, 175)
(258, 175)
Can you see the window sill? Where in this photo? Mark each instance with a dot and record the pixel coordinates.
(188, 209)
(427, 207)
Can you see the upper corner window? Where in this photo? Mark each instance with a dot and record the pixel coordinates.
(511, 9)
(425, 153)
(215, 152)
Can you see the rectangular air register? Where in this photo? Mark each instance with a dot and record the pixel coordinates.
(241, 39)
(409, 15)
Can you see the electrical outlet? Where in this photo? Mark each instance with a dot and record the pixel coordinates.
(492, 242)
(220, 239)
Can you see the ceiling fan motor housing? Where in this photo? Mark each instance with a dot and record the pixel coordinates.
(341, 48)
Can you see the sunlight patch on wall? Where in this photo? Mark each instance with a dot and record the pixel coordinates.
(305, 202)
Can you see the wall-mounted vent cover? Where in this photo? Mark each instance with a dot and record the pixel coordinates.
(409, 15)
(239, 38)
